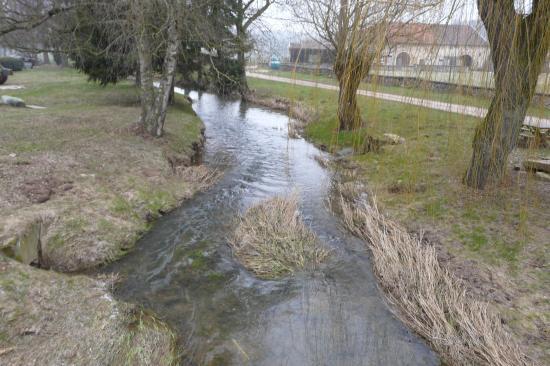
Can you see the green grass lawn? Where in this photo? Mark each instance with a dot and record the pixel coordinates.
(503, 231)
(455, 97)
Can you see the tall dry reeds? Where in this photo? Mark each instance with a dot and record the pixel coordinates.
(463, 330)
(272, 240)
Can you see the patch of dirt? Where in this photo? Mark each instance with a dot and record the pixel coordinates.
(482, 282)
(401, 187)
(39, 190)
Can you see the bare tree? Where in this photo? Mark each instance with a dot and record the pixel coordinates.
(355, 32)
(28, 14)
(519, 44)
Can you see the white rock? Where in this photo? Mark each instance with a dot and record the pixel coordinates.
(394, 139)
(13, 101)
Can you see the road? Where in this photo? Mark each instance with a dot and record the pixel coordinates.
(427, 103)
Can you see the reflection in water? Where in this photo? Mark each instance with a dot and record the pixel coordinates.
(184, 270)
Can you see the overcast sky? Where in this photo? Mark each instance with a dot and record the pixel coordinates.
(278, 18)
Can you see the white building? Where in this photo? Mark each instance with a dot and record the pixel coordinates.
(435, 45)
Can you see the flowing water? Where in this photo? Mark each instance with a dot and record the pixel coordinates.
(184, 271)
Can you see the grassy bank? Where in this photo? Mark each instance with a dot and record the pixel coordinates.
(78, 167)
(79, 186)
(495, 241)
(455, 97)
(50, 318)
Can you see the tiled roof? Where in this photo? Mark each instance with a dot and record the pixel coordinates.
(435, 34)
(420, 34)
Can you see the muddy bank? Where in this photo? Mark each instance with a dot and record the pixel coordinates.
(55, 235)
(293, 109)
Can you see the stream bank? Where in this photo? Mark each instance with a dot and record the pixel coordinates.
(79, 187)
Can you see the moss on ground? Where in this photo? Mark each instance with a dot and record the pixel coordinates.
(497, 240)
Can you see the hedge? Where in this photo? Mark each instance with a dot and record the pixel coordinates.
(12, 63)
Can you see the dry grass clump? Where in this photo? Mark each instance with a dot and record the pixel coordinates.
(462, 330)
(295, 110)
(200, 175)
(273, 241)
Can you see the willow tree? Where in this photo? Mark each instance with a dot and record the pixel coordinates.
(354, 31)
(519, 43)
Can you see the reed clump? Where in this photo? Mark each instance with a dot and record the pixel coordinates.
(272, 240)
(463, 330)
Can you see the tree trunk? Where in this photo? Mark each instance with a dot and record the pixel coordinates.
(154, 100)
(172, 97)
(243, 84)
(519, 45)
(138, 78)
(349, 116)
(241, 40)
(350, 67)
(148, 93)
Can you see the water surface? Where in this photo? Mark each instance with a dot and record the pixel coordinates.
(184, 271)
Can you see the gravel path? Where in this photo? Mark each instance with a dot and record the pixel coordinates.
(442, 106)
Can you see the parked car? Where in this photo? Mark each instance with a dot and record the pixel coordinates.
(29, 62)
(275, 64)
(3, 74)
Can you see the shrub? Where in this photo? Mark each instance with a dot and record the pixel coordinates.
(3, 75)
(15, 64)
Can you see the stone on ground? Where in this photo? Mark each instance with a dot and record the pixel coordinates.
(394, 139)
(13, 101)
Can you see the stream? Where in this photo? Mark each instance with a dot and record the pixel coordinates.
(184, 271)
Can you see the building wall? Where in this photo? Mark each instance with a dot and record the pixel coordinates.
(310, 56)
(474, 57)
